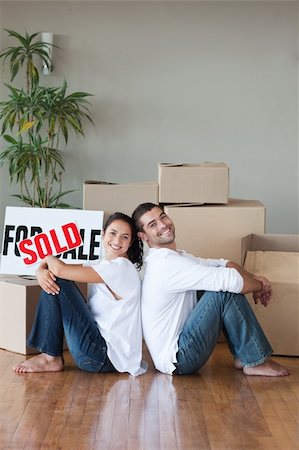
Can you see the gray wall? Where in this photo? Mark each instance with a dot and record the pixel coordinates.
(177, 82)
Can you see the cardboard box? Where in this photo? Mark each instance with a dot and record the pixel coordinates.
(18, 301)
(110, 197)
(277, 258)
(215, 231)
(193, 183)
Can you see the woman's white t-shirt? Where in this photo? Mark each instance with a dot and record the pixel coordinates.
(119, 321)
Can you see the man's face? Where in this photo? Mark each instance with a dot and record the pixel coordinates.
(158, 229)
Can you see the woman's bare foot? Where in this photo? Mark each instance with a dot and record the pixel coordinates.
(40, 363)
(238, 364)
(269, 368)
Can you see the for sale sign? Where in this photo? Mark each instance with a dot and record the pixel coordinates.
(31, 234)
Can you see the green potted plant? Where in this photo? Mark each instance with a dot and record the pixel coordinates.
(35, 119)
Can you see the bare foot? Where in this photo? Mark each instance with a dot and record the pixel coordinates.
(269, 368)
(40, 363)
(238, 364)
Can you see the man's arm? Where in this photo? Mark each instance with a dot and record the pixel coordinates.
(260, 286)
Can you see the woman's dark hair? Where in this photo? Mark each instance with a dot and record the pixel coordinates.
(135, 251)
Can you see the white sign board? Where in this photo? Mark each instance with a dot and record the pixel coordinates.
(30, 234)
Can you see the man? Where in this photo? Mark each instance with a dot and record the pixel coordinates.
(180, 329)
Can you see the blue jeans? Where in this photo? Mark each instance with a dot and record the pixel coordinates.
(216, 311)
(67, 313)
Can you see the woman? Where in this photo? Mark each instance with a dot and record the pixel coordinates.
(103, 335)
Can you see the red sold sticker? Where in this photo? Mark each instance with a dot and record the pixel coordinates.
(54, 242)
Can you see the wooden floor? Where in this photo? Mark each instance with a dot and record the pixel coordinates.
(218, 408)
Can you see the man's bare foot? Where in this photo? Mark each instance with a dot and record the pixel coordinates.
(40, 363)
(269, 368)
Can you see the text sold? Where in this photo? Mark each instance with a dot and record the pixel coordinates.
(53, 242)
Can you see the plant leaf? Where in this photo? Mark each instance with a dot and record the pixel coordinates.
(26, 126)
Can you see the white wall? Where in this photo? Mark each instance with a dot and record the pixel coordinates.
(178, 82)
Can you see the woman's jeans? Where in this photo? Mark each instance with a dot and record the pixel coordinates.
(216, 311)
(67, 313)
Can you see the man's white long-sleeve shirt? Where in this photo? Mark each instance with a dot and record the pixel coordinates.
(169, 295)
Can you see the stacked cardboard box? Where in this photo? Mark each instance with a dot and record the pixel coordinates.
(193, 183)
(215, 231)
(112, 197)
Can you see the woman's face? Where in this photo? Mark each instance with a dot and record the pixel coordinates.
(117, 239)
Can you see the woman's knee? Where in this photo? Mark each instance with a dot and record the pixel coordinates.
(67, 286)
(63, 283)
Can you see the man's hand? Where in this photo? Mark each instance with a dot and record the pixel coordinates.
(265, 282)
(264, 295)
(257, 284)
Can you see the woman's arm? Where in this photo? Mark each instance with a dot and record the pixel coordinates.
(73, 272)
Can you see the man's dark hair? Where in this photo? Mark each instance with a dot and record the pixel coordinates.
(140, 210)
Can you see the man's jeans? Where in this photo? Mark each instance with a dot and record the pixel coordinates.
(214, 312)
(67, 313)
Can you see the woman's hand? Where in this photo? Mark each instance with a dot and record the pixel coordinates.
(47, 280)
